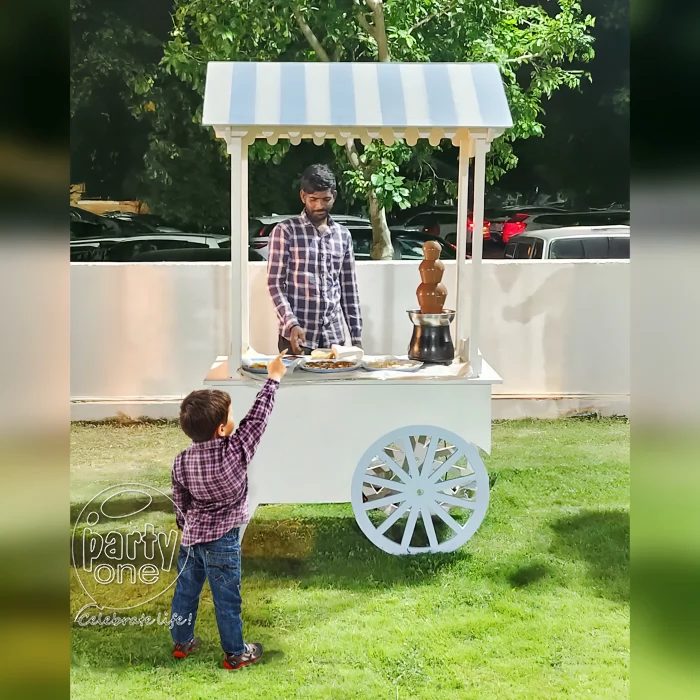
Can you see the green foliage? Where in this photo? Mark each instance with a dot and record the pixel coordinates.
(379, 170)
(534, 47)
(105, 47)
(538, 49)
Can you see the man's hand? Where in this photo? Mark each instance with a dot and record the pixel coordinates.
(297, 338)
(276, 369)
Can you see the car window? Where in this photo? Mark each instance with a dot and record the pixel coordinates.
(509, 252)
(254, 227)
(89, 253)
(595, 248)
(523, 250)
(123, 252)
(566, 249)
(167, 244)
(362, 246)
(448, 252)
(409, 248)
(420, 220)
(619, 248)
(447, 218)
(537, 249)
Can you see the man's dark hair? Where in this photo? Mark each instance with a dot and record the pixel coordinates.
(318, 178)
(202, 412)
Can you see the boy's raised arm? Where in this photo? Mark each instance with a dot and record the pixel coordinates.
(246, 438)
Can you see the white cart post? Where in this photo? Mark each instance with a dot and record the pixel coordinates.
(423, 431)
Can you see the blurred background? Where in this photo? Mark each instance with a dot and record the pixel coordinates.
(34, 269)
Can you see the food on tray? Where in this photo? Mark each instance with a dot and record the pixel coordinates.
(257, 365)
(391, 364)
(337, 364)
(321, 354)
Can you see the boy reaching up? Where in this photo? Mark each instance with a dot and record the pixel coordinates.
(210, 492)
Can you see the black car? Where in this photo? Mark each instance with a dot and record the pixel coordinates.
(408, 244)
(84, 223)
(142, 223)
(192, 255)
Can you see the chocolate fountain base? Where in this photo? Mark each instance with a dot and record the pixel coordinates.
(432, 344)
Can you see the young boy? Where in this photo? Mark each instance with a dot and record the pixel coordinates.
(210, 492)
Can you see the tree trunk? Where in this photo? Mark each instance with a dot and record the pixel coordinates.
(382, 248)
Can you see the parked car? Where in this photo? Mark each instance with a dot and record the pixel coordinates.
(85, 223)
(507, 215)
(192, 255)
(440, 222)
(120, 249)
(575, 243)
(490, 251)
(263, 225)
(144, 223)
(526, 222)
(407, 244)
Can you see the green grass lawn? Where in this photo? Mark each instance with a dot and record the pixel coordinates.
(535, 605)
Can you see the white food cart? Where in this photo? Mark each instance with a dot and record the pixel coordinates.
(401, 447)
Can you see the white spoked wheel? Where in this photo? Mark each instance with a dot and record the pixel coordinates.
(420, 489)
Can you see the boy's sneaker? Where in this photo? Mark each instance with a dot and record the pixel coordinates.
(252, 654)
(181, 651)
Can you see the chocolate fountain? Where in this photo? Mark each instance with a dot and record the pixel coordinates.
(431, 341)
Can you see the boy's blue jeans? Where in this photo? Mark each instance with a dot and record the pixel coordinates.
(220, 563)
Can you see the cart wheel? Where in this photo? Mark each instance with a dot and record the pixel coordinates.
(420, 472)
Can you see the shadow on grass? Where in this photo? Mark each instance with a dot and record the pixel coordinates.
(602, 540)
(527, 575)
(323, 551)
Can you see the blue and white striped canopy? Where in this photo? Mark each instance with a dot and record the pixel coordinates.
(330, 98)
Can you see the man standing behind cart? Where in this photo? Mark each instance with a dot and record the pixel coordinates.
(311, 272)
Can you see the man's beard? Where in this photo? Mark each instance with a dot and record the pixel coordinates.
(320, 218)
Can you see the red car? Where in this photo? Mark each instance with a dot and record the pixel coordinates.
(442, 223)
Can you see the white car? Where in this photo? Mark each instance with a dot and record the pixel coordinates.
(574, 243)
(121, 249)
(526, 222)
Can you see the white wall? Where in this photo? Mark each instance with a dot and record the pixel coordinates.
(153, 330)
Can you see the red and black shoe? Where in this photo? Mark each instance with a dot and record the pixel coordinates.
(252, 654)
(182, 651)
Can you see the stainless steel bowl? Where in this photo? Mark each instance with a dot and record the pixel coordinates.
(443, 319)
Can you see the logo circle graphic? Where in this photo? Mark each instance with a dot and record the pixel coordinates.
(122, 552)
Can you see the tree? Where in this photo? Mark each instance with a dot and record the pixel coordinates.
(112, 60)
(533, 48)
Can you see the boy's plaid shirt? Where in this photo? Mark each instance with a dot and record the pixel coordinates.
(311, 279)
(210, 479)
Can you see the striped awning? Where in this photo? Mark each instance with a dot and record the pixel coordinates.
(358, 100)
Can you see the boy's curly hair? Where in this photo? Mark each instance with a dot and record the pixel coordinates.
(202, 412)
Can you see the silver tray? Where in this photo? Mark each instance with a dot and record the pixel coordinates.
(307, 366)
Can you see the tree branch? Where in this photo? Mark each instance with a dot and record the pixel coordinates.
(427, 19)
(379, 30)
(365, 24)
(524, 57)
(309, 34)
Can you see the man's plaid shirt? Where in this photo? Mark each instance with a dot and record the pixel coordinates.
(311, 278)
